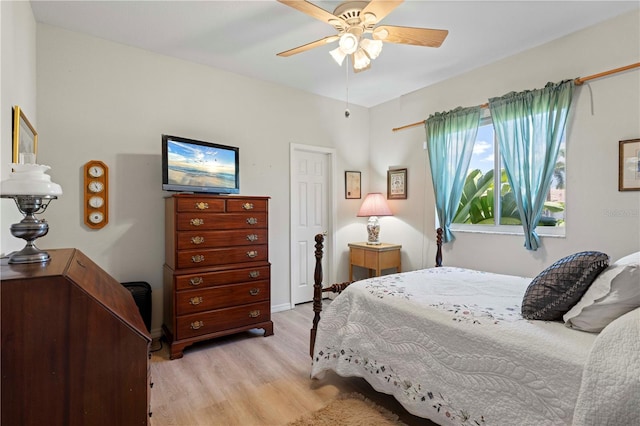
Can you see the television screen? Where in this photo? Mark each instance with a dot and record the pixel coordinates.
(196, 166)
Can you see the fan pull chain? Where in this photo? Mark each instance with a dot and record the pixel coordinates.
(347, 113)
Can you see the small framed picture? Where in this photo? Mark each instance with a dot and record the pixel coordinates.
(629, 165)
(397, 184)
(352, 185)
(25, 138)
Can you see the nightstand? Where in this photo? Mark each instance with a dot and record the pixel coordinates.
(374, 257)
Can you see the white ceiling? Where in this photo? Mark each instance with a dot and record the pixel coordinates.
(244, 36)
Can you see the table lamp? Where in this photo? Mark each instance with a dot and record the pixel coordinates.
(374, 205)
(32, 190)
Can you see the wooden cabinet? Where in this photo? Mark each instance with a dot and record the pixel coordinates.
(374, 257)
(217, 272)
(75, 350)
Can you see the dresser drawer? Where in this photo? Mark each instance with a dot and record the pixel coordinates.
(210, 279)
(210, 221)
(223, 256)
(222, 319)
(234, 206)
(212, 239)
(192, 301)
(204, 205)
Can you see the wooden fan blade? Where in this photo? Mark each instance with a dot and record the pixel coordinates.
(316, 12)
(380, 8)
(309, 46)
(408, 35)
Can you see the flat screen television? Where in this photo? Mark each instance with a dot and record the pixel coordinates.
(190, 165)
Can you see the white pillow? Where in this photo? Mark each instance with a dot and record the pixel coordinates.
(614, 292)
(632, 259)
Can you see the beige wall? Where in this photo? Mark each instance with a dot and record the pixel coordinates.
(605, 111)
(99, 100)
(17, 87)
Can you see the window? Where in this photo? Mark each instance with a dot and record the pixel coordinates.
(480, 210)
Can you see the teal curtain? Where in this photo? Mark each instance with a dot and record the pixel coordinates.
(530, 126)
(450, 139)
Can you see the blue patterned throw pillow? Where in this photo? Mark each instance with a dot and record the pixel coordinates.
(556, 289)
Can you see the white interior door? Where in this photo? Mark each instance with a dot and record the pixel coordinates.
(311, 192)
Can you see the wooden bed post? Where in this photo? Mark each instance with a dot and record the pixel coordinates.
(439, 244)
(317, 291)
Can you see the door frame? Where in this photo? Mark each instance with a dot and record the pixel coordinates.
(329, 243)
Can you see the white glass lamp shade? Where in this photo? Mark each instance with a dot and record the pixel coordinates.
(374, 205)
(29, 179)
(360, 60)
(372, 47)
(348, 43)
(338, 55)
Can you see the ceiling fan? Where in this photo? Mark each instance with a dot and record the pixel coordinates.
(353, 20)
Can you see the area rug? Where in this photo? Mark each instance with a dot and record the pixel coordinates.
(350, 410)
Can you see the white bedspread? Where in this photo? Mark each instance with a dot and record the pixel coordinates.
(450, 345)
(610, 391)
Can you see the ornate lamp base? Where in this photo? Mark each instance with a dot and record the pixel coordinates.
(30, 228)
(373, 230)
(29, 255)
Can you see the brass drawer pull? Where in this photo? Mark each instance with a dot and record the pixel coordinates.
(202, 205)
(197, 239)
(254, 314)
(254, 274)
(252, 237)
(254, 291)
(196, 325)
(252, 221)
(196, 221)
(252, 254)
(196, 281)
(195, 300)
(247, 206)
(197, 258)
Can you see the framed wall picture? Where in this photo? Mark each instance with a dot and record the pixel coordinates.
(25, 138)
(397, 184)
(629, 165)
(352, 185)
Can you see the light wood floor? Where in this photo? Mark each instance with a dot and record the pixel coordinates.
(251, 380)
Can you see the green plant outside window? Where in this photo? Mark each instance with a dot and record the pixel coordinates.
(478, 204)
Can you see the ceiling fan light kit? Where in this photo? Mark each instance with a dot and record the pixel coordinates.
(361, 60)
(354, 19)
(363, 50)
(348, 43)
(372, 47)
(338, 55)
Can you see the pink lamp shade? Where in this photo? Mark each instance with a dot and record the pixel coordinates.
(374, 204)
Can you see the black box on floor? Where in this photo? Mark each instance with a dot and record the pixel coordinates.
(141, 292)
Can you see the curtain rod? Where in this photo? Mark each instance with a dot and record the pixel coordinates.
(578, 81)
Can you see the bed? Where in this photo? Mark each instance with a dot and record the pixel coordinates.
(453, 345)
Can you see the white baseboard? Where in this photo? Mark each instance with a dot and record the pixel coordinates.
(282, 307)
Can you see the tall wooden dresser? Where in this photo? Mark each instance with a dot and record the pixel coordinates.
(217, 271)
(75, 350)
